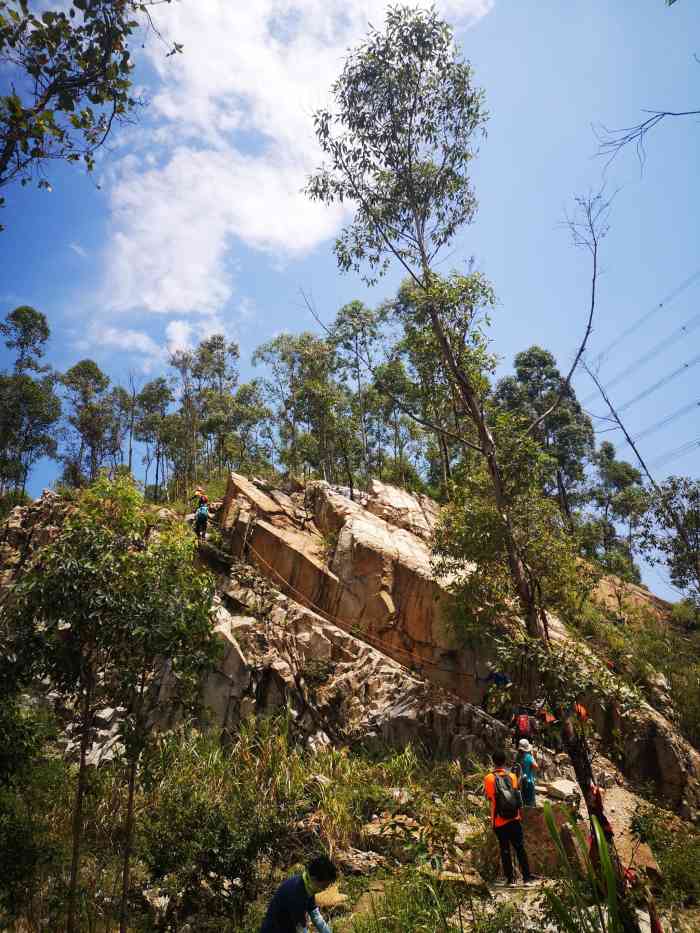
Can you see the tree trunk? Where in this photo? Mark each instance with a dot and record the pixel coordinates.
(128, 844)
(564, 500)
(576, 746)
(533, 619)
(361, 403)
(71, 924)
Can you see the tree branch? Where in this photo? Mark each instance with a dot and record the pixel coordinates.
(625, 136)
(586, 233)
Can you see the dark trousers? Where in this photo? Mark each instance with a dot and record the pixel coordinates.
(200, 527)
(512, 835)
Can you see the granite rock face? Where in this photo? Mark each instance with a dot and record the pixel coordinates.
(364, 564)
(335, 687)
(340, 619)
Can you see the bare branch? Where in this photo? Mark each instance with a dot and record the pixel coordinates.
(613, 141)
(587, 233)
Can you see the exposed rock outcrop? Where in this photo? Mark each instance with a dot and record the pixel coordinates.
(353, 638)
(335, 687)
(364, 564)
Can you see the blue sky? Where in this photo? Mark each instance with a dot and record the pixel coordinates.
(198, 224)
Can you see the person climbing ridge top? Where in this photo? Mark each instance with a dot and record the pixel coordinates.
(201, 516)
(295, 899)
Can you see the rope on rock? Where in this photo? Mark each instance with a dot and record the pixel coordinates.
(351, 627)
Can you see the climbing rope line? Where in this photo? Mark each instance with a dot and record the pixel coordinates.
(352, 628)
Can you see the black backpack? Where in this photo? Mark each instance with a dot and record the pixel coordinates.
(508, 798)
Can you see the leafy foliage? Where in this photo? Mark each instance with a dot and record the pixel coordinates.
(98, 612)
(72, 79)
(410, 119)
(473, 533)
(672, 532)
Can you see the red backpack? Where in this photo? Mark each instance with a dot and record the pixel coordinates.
(522, 726)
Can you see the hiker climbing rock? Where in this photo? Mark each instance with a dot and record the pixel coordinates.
(527, 764)
(501, 788)
(201, 516)
(496, 695)
(524, 724)
(295, 899)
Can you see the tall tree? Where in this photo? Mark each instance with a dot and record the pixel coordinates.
(352, 335)
(399, 143)
(249, 438)
(26, 331)
(29, 405)
(671, 531)
(301, 391)
(152, 405)
(617, 492)
(89, 419)
(566, 433)
(215, 371)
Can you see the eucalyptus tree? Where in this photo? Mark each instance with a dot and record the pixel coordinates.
(302, 390)
(399, 141)
(353, 335)
(399, 145)
(671, 532)
(152, 404)
(215, 373)
(249, 441)
(29, 405)
(89, 420)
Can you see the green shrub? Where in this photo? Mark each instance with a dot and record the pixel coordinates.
(677, 849)
(214, 813)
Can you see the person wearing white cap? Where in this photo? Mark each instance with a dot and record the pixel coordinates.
(528, 766)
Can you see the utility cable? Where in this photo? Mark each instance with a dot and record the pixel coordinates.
(658, 348)
(664, 303)
(662, 423)
(675, 454)
(662, 382)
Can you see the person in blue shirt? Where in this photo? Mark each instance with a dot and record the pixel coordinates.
(295, 899)
(527, 766)
(201, 516)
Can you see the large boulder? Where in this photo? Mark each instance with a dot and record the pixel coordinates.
(336, 686)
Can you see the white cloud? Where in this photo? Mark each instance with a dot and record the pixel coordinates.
(77, 248)
(135, 341)
(183, 335)
(179, 336)
(238, 103)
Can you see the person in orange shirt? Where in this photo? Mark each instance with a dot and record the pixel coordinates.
(501, 788)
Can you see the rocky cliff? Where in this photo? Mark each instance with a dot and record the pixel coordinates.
(363, 564)
(327, 607)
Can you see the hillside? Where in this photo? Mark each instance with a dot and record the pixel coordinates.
(329, 615)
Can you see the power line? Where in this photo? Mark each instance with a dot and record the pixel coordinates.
(645, 317)
(662, 382)
(675, 454)
(677, 335)
(663, 422)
